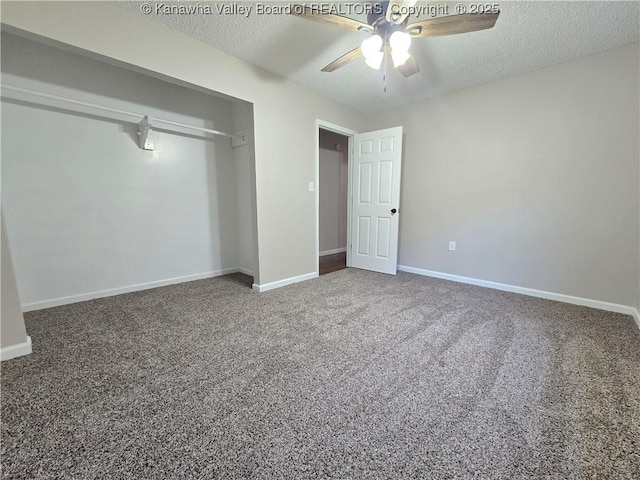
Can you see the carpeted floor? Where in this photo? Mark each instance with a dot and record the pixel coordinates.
(354, 375)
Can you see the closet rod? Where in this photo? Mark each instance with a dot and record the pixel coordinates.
(116, 110)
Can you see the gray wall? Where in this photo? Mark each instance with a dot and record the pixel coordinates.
(536, 178)
(12, 329)
(332, 184)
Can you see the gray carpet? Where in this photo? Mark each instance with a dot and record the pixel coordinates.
(354, 375)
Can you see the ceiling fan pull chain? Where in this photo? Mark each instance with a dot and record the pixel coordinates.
(386, 61)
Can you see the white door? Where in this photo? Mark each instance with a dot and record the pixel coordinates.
(375, 210)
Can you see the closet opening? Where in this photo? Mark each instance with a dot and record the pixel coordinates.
(90, 210)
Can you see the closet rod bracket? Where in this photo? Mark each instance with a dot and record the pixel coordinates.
(240, 138)
(145, 139)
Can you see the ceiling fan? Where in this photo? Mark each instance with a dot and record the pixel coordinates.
(391, 33)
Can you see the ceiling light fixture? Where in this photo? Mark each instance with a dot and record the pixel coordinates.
(375, 61)
(399, 58)
(400, 43)
(371, 49)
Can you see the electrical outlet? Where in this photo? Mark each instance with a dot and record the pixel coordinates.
(452, 245)
(312, 186)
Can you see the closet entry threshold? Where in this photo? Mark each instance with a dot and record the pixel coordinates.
(333, 262)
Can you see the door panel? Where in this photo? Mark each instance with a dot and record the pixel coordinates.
(376, 186)
(364, 227)
(384, 237)
(365, 183)
(385, 187)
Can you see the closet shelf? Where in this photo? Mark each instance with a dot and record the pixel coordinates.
(145, 125)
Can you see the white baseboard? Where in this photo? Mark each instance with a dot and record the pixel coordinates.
(587, 302)
(246, 271)
(331, 252)
(56, 302)
(281, 283)
(18, 350)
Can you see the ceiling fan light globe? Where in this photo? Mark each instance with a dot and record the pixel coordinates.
(375, 60)
(371, 46)
(400, 41)
(399, 57)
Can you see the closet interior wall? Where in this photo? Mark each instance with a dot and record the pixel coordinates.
(333, 186)
(88, 213)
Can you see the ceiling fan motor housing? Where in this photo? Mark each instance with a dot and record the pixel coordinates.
(377, 11)
(378, 21)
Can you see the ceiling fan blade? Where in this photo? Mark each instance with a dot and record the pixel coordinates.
(452, 24)
(398, 10)
(343, 60)
(410, 67)
(327, 18)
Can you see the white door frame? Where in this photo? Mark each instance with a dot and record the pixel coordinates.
(347, 132)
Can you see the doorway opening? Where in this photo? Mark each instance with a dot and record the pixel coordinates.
(333, 184)
(333, 198)
(372, 179)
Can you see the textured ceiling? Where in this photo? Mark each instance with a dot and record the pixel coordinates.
(527, 36)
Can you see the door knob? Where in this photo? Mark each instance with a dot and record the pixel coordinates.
(393, 210)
